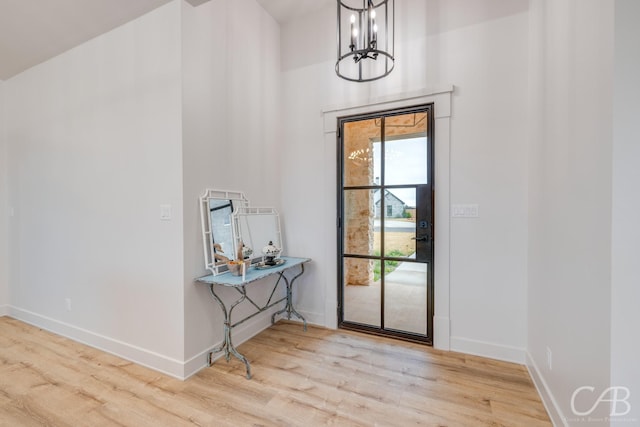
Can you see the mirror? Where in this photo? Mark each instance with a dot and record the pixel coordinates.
(256, 227)
(220, 245)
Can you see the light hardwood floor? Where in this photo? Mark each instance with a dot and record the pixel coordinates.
(320, 377)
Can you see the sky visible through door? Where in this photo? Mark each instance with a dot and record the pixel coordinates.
(404, 163)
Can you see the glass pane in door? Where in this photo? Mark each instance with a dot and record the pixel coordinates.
(406, 161)
(405, 297)
(399, 207)
(359, 223)
(361, 154)
(361, 292)
(406, 158)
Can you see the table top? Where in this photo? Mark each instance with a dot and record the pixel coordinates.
(252, 274)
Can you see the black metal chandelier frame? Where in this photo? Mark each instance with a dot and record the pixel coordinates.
(365, 45)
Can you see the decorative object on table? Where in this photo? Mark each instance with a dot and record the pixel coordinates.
(365, 39)
(264, 266)
(270, 252)
(217, 250)
(218, 239)
(231, 229)
(238, 267)
(255, 226)
(246, 251)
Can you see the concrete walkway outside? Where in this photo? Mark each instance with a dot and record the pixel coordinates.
(405, 300)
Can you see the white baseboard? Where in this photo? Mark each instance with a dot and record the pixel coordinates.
(487, 349)
(312, 318)
(240, 334)
(198, 362)
(141, 356)
(550, 404)
(158, 362)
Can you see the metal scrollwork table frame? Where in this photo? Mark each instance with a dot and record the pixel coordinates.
(236, 282)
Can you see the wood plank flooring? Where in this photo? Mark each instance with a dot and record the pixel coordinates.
(317, 378)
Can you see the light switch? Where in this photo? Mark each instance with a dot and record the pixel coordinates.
(165, 212)
(465, 211)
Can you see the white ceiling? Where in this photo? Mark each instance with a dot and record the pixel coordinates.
(32, 31)
(286, 10)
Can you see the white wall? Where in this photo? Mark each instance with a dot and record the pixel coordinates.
(483, 53)
(231, 115)
(625, 293)
(569, 297)
(94, 139)
(4, 230)
(204, 130)
(486, 60)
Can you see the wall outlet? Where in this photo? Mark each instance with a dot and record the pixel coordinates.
(549, 358)
(67, 302)
(465, 211)
(165, 212)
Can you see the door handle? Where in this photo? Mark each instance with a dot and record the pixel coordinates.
(420, 238)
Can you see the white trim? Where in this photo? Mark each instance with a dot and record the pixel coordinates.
(4, 310)
(400, 97)
(549, 402)
(311, 317)
(141, 356)
(441, 332)
(241, 334)
(442, 250)
(152, 360)
(331, 254)
(491, 350)
(441, 98)
(330, 251)
(198, 362)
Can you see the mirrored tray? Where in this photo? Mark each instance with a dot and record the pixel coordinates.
(262, 266)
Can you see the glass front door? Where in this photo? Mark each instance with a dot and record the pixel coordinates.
(385, 232)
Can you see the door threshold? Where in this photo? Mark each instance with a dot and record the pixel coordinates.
(399, 335)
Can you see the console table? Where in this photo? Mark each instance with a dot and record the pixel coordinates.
(253, 274)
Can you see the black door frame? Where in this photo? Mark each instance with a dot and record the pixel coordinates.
(420, 193)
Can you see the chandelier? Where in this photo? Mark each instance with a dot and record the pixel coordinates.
(365, 39)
